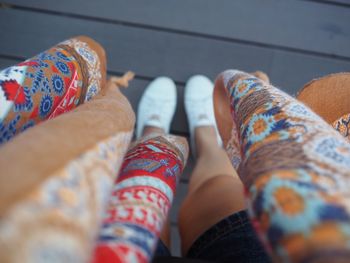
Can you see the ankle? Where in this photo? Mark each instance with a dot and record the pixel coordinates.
(152, 130)
(206, 140)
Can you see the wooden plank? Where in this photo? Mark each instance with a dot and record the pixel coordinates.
(147, 52)
(181, 192)
(175, 246)
(7, 62)
(284, 74)
(345, 3)
(301, 25)
(151, 53)
(134, 93)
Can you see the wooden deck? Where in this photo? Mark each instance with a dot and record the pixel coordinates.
(293, 41)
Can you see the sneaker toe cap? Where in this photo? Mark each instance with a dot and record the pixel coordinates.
(199, 86)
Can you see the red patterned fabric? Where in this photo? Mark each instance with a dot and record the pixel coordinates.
(47, 85)
(140, 201)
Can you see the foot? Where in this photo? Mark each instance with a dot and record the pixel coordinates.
(157, 106)
(199, 106)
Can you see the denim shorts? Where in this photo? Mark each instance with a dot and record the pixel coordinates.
(232, 239)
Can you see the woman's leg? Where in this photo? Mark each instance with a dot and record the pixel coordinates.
(215, 190)
(141, 199)
(55, 179)
(295, 168)
(49, 84)
(146, 184)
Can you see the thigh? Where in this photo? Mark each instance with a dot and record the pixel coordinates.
(215, 199)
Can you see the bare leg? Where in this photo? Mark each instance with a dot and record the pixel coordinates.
(215, 191)
(152, 130)
(293, 168)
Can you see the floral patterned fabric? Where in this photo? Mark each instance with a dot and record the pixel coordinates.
(56, 216)
(294, 166)
(342, 125)
(47, 85)
(296, 169)
(56, 178)
(59, 219)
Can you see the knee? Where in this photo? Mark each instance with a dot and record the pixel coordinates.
(215, 199)
(222, 192)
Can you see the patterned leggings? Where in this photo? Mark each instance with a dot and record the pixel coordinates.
(141, 199)
(295, 169)
(64, 206)
(63, 203)
(294, 166)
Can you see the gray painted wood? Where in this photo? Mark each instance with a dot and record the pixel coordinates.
(291, 71)
(309, 26)
(6, 62)
(134, 93)
(183, 56)
(181, 193)
(152, 53)
(175, 246)
(147, 52)
(345, 3)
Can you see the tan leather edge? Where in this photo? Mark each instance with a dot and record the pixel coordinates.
(311, 87)
(319, 79)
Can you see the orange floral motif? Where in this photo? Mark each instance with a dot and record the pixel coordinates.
(289, 201)
(295, 169)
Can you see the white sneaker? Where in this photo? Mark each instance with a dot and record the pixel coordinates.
(199, 105)
(157, 105)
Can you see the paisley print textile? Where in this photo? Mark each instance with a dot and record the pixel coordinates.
(343, 126)
(295, 168)
(47, 85)
(59, 220)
